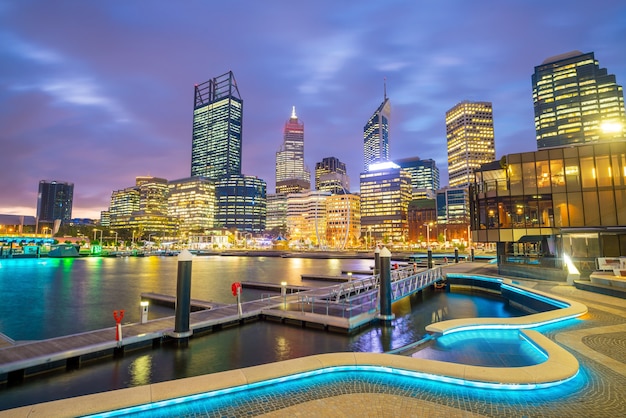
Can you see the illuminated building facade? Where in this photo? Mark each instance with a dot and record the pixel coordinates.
(376, 135)
(469, 132)
(540, 206)
(192, 202)
(217, 128)
(343, 221)
(576, 101)
(241, 203)
(143, 209)
(292, 176)
(276, 219)
(424, 173)
(385, 197)
(306, 217)
(421, 212)
(54, 201)
(452, 205)
(331, 175)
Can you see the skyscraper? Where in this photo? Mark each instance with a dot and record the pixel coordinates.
(331, 175)
(54, 201)
(576, 101)
(376, 135)
(217, 125)
(241, 203)
(424, 173)
(469, 130)
(385, 197)
(292, 176)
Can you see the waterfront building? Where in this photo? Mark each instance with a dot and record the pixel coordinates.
(192, 202)
(217, 128)
(54, 202)
(142, 210)
(331, 175)
(576, 101)
(19, 224)
(543, 206)
(424, 173)
(376, 135)
(306, 218)
(241, 203)
(385, 197)
(276, 219)
(292, 175)
(343, 220)
(470, 137)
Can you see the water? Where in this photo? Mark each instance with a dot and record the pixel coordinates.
(51, 297)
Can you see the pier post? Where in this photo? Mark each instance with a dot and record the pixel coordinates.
(430, 258)
(456, 255)
(385, 287)
(376, 261)
(183, 296)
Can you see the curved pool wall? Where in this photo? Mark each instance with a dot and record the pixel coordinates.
(559, 367)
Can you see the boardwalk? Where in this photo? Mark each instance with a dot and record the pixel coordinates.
(342, 307)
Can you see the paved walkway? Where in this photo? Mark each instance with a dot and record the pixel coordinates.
(597, 340)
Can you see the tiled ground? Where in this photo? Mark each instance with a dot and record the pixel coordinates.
(598, 341)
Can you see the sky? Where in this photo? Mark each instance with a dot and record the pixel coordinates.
(99, 92)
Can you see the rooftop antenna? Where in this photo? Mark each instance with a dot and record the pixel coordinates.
(385, 88)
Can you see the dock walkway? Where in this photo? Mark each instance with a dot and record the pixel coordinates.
(340, 307)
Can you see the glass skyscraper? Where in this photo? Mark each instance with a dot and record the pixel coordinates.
(576, 101)
(469, 131)
(54, 201)
(292, 176)
(424, 173)
(331, 175)
(376, 135)
(241, 203)
(217, 125)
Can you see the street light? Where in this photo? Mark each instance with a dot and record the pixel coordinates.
(115, 232)
(428, 235)
(283, 291)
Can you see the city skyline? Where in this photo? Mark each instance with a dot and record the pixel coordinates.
(99, 93)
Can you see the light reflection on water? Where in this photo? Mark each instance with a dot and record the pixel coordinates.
(83, 293)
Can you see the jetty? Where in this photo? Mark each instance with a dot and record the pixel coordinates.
(344, 307)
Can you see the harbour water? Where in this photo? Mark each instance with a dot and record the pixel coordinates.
(46, 298)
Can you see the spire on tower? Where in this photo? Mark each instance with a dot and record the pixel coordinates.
(385, 88)
(293, 113)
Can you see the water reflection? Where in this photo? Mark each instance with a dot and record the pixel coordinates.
(141, 370)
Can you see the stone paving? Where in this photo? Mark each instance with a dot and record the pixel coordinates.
(598, 341)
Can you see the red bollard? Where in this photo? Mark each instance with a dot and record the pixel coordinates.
(118, 315)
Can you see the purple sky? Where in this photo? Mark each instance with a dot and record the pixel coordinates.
(99, 92)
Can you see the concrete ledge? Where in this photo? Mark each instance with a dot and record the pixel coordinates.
(559, 366)
(573, 309)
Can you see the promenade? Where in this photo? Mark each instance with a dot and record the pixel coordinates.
(597, 341)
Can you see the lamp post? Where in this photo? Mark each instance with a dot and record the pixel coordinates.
(95, 231)
(115, 232)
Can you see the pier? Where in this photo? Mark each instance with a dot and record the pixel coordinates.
(343, 307)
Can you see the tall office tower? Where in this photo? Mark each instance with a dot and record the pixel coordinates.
(469, 130)
(576, 101)
(331, 175)
(453, 205)
(152, 194)
(217, 128)
(292, 176)
(376, 135)
(385, 197)
(424, 173)
(123, 204)
(54, 201)
(192, 202)
(241, 203)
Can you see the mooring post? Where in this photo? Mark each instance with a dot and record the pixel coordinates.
(385, 287)
(430, 258)
(376, 260)
(183, 296)
(456, 255)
